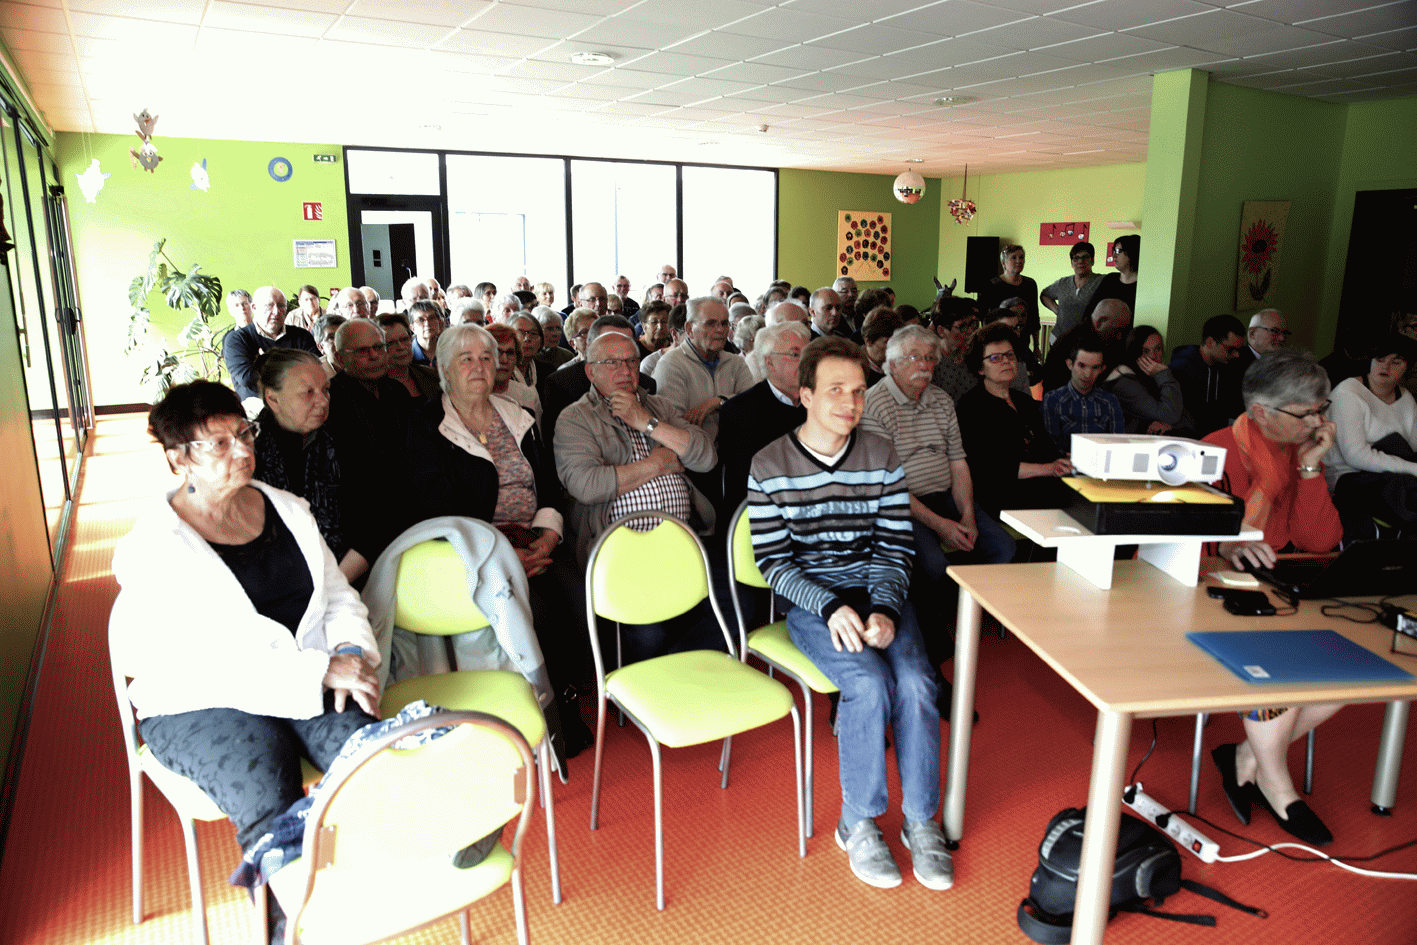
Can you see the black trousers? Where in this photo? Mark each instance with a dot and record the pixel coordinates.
(249, 765)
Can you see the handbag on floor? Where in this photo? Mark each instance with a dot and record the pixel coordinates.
(1148, 868)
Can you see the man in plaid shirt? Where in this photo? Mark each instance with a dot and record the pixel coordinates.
(1078, 406)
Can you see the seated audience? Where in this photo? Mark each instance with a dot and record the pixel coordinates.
(1149, 393)
(831, 533)
(1012, 460)
(425, 320)
(551, 355)
(419, 380)
(308, 310)
(880, 326)
(1013, 314)
(1274, 462)
(744, 335)
(570, 383)
(1372, 468)
(699, 375)
(265, 331)
(654, 329)
(1080, 406)
(955, 320)
(247, 647)
(763, 412)
(1110, 320)
(325, 330)
(506, 383)
(1210, 385)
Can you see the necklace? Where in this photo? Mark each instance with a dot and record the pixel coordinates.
(480, 434)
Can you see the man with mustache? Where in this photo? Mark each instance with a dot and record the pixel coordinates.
(919, 420)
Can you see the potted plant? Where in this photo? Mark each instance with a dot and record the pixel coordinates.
(200, 354)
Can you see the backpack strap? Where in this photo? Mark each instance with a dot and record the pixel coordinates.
(1190, 919)
(1043, 926)
(1201, 889)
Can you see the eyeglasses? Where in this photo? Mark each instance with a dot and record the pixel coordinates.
(366, 350)
(529, 333)
(221, 444)
(1279, 333)
(1001, 357)
(1081, 257)
(400, 342)
(921, 358)
(1316, 414)
(788, 355)
(611, 364)
(582, 335)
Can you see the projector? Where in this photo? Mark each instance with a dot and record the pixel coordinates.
(1171, 460)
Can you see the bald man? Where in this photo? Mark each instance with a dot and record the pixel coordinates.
(266, 330)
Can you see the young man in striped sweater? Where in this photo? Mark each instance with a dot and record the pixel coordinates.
(832, 533)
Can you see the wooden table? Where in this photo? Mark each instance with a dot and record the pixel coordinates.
(1125, 651)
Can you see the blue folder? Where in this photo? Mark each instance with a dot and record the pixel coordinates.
(1296, 656)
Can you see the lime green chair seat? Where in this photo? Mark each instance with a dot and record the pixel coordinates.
(502, 693)
(773, 644)
(677, 699)
(387, 823)
(433, 599)
(696, 697)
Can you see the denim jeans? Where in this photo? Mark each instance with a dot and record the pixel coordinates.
(894, 687)
(931, 590)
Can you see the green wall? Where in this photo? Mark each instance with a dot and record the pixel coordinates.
(239, 230)
(1262, 145)
(807, 206)
(1379, 153)
(1012, 207)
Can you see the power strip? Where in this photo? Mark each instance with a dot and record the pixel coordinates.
(1177, 829)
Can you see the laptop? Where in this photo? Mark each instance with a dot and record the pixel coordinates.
(1363, 569)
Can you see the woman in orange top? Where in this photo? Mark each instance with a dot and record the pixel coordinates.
(1273, 460)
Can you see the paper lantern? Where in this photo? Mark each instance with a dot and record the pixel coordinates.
(909, 187)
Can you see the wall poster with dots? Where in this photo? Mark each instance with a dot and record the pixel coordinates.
(863, 245)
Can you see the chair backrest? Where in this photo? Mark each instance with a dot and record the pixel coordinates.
(432, 592)
(391, 804)
(639, 577)
(742, 566)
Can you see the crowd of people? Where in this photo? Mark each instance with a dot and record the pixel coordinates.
(873, 444)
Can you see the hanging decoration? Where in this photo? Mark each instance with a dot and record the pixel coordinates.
(200, 180)
(147, 155)
(963, 209)
(91, 181)
(909, 187)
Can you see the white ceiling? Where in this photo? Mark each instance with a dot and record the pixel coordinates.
(839, 84)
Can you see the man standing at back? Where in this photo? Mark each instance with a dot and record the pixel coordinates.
(832, 532)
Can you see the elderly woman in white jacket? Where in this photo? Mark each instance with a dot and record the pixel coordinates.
(246, 645)
(1372, 468)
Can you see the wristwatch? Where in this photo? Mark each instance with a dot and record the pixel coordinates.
(1311, 469)
(650, 427)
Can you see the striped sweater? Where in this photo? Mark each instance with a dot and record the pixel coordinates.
(828, 536)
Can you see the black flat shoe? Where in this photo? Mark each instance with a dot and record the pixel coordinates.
(1237, 794)
(1298, 820)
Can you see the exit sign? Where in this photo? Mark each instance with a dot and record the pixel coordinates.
(327, 159)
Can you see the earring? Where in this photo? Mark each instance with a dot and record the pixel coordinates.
(191, 488)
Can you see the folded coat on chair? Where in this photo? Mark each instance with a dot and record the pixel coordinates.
(497, 585)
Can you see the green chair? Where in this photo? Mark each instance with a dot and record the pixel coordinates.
(433, 599)
(379, 837)
(678, 699)
(771, 643)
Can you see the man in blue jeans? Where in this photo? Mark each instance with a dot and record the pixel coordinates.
(832, 533)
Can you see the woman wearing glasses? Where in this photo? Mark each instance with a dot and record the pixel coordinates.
(1372, 469)
(1012, 459)
(1068, 297)
(246, 645)
(1274, 461)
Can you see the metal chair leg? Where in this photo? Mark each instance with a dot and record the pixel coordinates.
(1196, 761)
(548, 803)
(723, 758)
(135, 787)
(1309, 764)
(194, 877)
(658, 825)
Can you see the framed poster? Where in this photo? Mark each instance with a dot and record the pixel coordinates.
(315, 254)
(863, 245)
(1261, 238)
(1062, 234)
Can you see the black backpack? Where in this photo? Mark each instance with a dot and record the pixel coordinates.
(1148, 867)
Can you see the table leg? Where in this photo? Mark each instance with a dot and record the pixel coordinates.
(1099, 838)
(1390, 756)
(962, 712)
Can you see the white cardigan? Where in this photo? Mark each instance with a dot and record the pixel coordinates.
(1360, 420)
(191, 639)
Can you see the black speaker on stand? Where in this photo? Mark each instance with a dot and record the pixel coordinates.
(981, 261)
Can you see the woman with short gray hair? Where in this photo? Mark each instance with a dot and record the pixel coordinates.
(1274, 461)
(552, 353)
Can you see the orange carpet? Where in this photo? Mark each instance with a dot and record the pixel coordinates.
(732, 871)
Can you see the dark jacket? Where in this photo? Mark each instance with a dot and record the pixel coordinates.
(747, 423)
(1211, 394)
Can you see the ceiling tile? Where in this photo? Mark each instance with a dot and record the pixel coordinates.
(1232, 33)
(726, 44)
(27, 16)
(624, 78)
(692, 13)
(820, 82)
(221, 43)
(1129, 14)
(707, 88)
(1405, 38)
(1034, 33)
(358, 29)
(148, 33)
(644, 33)
(542, 69)
(809, 57)
(871, 40)
(47, 44)
(954, 18)
(432, 12)
(1374, 19)
(778, 23)
(255, 19)
(677, 64)
(530, 21)
(756, 72)
(481, 42)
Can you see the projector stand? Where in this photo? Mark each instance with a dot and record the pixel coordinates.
(1091, 555)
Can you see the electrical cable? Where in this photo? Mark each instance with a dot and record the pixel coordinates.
(1279, 848)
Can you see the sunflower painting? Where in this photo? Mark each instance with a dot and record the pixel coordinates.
(1261, 239)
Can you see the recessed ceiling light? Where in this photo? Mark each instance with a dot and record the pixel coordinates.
(952, 100)
(593, 58)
